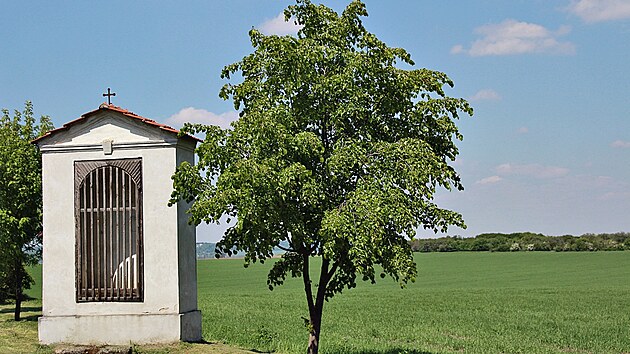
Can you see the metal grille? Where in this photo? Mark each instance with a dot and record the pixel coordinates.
(109, 255)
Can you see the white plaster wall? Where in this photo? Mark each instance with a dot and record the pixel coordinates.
(106, 131)
(121, 329)
(160, 231)
(104, 126)
(186, 246)
(110, 329)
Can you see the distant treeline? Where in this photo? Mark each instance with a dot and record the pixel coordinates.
(206, 250)
(524, 241)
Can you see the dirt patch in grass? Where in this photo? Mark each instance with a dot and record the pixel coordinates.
(173, 348)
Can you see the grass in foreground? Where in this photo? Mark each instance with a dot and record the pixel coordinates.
(462, 302)
(536, 302)
(21, 336)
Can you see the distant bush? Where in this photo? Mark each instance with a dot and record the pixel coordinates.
(524, 241)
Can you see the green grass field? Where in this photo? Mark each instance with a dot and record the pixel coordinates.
(21, 337)
(525, 302)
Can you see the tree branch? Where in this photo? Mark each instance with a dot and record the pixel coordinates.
(323, 284)
(285, 249)
(306, 277)
(333, 270)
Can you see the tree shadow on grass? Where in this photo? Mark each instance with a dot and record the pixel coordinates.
(23, 310)
(31, 318)
(204, 342)
(387, 351)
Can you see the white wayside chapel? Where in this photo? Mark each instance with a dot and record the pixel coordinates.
(119, 264)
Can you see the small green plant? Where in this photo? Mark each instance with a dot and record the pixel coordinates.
(265, 338)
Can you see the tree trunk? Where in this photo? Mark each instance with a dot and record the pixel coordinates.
(316, 324)
(18, 304)
(316, 307)
(18, 293)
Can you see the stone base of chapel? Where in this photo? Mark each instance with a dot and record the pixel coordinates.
(121, 329)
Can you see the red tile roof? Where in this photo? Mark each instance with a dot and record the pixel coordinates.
(126, 113)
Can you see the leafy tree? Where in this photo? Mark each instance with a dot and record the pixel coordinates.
(20, 200)
(4, 283)
(338, 152)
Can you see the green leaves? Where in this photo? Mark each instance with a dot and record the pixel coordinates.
(338, 151)
(20, 194)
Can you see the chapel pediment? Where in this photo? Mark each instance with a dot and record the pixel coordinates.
(110, 123)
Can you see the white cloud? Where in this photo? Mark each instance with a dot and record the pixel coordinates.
(620, 144)
(514, 37)
(485, 95)
(489, 180)
(279, 26)
(194, 115)
(523, 130)
(600, 10)
(533, 170)
(458, 49)
(619, 195)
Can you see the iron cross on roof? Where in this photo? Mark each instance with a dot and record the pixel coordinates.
(109, 95)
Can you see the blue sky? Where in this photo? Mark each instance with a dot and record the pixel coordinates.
(548, 149)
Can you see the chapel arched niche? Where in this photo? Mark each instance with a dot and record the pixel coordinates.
(108, 220)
